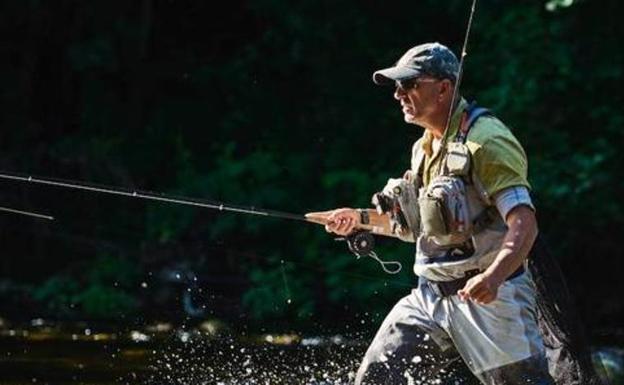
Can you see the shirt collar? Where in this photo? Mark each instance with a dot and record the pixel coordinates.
(456, 119)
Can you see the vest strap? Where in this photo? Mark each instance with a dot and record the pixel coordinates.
(472, 113)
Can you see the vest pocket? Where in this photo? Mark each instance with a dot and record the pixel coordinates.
(433, 216)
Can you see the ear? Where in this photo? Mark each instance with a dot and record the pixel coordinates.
(446, 87)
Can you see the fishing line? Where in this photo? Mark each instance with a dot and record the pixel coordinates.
(288, 296)
(114, 247)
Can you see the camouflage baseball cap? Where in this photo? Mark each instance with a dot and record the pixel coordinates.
(430, 59)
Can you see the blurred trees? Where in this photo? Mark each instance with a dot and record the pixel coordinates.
(270, 104)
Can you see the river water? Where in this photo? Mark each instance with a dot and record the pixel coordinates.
(160, 354)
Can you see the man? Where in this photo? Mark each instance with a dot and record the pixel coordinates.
(474, 298)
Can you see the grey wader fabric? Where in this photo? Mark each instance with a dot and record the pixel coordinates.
(424, 335)
(404, 349)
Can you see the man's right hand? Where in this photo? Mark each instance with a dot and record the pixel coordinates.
(342, 221)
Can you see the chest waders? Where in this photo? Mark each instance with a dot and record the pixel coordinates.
(565, 340)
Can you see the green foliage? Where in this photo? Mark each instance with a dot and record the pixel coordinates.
(270, 104)
(104, 291)
(58, 294)
(106, 302)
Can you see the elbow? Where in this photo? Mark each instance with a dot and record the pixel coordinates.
(534, 233)
(533, 229)
(522, 220)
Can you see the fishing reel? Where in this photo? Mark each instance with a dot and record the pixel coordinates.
(361, 243)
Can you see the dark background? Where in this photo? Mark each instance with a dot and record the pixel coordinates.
(269, 103)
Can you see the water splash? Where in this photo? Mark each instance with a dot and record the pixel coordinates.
(276, 360)
(226, 361)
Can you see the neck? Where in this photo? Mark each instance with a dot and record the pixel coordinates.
(436, 123)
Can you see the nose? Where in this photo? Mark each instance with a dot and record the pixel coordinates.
(398, 93)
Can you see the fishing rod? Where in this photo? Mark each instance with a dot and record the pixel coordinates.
(27, 213)
(361, 242)
(146, 195)
(460, 74)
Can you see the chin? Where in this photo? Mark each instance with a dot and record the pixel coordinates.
(409, 119)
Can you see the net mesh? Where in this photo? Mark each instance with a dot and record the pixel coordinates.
(567, 345)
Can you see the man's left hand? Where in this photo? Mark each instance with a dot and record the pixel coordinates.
(481, 288)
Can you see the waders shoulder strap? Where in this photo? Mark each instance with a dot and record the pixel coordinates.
(472, 113)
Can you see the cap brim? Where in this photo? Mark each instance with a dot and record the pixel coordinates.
(389, 75)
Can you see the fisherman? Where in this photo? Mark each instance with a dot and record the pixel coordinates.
(465, 202)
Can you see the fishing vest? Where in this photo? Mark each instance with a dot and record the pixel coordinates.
(446, 204)
(460, 229)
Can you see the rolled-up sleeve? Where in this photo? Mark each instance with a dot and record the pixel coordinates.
(512, 197)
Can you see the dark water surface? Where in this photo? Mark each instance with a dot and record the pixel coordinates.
(163, 355)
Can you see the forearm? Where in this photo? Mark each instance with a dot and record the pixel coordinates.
(379, 223)
(517, 243)
(346, 220)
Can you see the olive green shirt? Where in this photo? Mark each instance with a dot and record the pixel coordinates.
(498, 160)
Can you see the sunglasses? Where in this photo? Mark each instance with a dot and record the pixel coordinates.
(413, 83)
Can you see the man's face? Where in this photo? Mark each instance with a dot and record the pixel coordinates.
(420, 98)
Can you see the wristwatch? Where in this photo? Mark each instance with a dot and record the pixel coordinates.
(364, 218)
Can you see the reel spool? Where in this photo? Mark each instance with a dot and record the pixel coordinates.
(361, 243)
